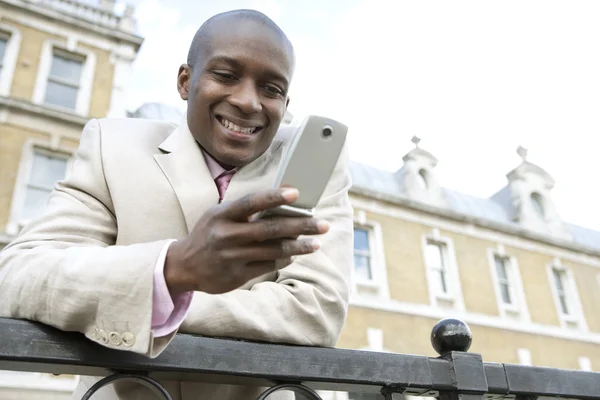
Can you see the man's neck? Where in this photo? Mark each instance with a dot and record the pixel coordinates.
(215, 167)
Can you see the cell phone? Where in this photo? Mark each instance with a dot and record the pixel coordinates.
(308, 164)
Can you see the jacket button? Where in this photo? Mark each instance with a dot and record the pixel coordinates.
(115, 338)
(128, 339)
(102, 336)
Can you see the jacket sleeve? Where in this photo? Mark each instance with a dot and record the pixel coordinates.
(65, 270)
(308, 301)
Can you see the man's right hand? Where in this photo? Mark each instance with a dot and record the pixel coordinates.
(227, 249)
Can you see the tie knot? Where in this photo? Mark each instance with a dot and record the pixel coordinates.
(222, 182)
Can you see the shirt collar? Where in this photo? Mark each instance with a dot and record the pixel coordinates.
(214, 167)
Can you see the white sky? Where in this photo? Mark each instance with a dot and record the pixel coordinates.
(474, 79)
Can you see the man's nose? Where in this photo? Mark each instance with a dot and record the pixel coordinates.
(246, 98)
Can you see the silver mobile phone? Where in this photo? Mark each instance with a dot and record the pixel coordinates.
(308, 163)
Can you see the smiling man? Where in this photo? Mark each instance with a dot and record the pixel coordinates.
(152, 232)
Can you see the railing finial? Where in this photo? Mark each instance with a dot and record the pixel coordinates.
(451, 334)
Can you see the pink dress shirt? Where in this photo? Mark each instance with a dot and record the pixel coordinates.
(168, 312)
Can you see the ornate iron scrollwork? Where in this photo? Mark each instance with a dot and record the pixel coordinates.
(292, 387)
(143, 380)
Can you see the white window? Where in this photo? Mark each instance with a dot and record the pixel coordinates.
(504, 280)
(10, 39)
(524, 356)
(436, 258)
(537, 201)
(566, 298)
(442, 272)
(585, 364)
(39, 170)
(65, 77)
(369, 274)
(362, 254)
(46, 169)
(560, 283)
(4, 37)
(508, 285)
(36, 384)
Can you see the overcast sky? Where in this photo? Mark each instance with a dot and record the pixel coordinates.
(474, 79)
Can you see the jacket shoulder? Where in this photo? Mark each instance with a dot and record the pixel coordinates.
(134, 132)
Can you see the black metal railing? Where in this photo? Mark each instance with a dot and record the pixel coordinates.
(455, 375)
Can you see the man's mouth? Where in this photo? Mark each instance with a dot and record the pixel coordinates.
(247, 130)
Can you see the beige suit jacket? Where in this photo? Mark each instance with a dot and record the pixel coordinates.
(87, 263)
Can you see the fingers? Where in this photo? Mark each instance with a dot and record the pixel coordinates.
(250, 204)
(271, 250)
(280, 228)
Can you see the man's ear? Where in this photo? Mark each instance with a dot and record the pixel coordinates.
(287, 103)
(184, 78)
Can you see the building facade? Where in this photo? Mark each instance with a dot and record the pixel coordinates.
(61, 63)
(526, 282)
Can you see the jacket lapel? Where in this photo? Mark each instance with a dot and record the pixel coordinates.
(184, 166)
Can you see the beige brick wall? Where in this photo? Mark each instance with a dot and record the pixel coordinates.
(537, 286)
(30, 52)
(103, 82)
(404, 259)
(408, 283)
(12, 140)
(474, 271)
(588, 285)
(411, 335)
(26, 72)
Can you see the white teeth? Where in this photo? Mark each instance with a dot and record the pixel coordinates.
(233, 127)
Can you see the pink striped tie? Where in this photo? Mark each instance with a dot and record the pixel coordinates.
(222, 182)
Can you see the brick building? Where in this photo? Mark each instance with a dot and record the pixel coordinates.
(61, 63)
(525, 281)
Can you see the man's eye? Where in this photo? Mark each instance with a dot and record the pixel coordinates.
(224, 75)
(273, 89)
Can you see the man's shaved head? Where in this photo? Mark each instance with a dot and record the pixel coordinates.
(236, 83)
(211, 27)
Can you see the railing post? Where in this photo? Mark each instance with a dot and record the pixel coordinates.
(451, 339)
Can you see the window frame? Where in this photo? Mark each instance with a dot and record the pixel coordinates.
(9, 61)
(454, 293)
(378, 282)
(365, 253)
(576, 316)
(86, 80)
(15, 222)
(519, 306)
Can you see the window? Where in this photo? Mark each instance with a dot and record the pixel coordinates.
(64, 79)
(507, 284)
(362, 254)
(538, 204)
(503, 279)
(422, 179)
(442, 272)
(369, 276)
(46, 169)
(585, 364)
(4, 36)
(566, 299)
(436, 261)
(10, 40)
(524, 356)
(561, 294)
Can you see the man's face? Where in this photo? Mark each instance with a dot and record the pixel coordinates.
(237, 91)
